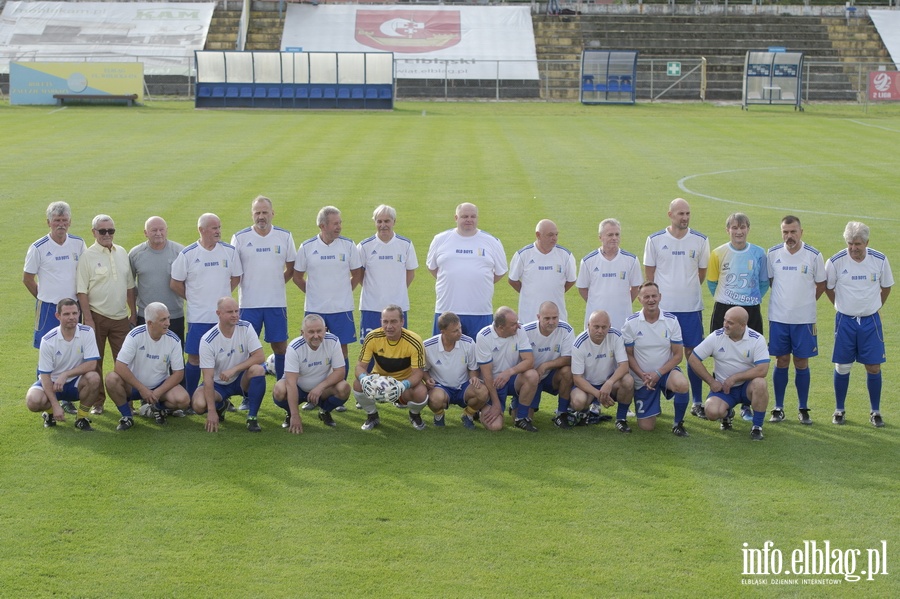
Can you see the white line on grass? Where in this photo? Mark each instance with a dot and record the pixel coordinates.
(875, 126)
(684, 188)
(58, 109)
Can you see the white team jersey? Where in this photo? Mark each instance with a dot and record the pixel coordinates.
(543, 278)
(450, 368)
(58, 355)
(652, 343)
(221, 353)
(501, 353)
(857, 285)
(313, 365)
(327, 269)
(207, 278)
(733, 357)
(386, 265)
(558, 343)
(609, 284)
(794, 278)
(677, 263)
(466, 267)
(263, 260)
(55, 266)
(596, 363)
(148, 360)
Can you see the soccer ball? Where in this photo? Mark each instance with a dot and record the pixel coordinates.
(270, 365)
(377, 387)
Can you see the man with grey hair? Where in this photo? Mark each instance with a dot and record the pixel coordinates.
(151, 264)
(858, 282)
(327, 270)
(149, 368)
(389, 264)
(105, 291)
(609, 277)
(267, 256)
(542, 271)
(466, 262)
(50, 266)
(50, 272)
(204, 272)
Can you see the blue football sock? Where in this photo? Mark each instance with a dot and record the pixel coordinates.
(521, 410)
(332, 402)
(622, 410)
(801, 381)
(696, 386)
(279, 366)
(873, 382)
(125, 409)
(841, 384)
(255, 391)
(283, 404)
(780, 382)
(681, 403)
(191, 378)
(758, 418)
(562, 405)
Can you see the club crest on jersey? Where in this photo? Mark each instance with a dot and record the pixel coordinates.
(480, 252)
(408, 31)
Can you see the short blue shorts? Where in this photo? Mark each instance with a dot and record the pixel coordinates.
(195, 333)
(273, 320)
(340, 324)
(646, 401)
(691, 324)
(800, 340)
(858, 339)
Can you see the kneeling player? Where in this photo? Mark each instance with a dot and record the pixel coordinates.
(313, 372)
(142, 369)
(67, 369)
(451, 372)
(551, 344)
(742, 360)
(231, 359)
(397, 353)
(599, 373)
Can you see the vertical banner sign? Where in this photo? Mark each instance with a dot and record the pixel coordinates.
(884, 85)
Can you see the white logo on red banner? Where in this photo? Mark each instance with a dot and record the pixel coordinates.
(884, 85)
(408, 31)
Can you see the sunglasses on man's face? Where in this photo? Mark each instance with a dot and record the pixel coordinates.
(106, 231)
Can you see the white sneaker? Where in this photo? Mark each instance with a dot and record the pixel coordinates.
(307, 406)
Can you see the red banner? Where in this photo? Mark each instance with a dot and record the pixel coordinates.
(408, 31)
(884, 85)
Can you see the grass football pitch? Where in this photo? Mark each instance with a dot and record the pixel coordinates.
(177, 512)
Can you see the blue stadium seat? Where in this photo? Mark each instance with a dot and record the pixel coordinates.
(302, 92)
(204, 91)
(612, 83)
(587, 83)
(231, 92)
(315, 93)
(330, 93)
(371, 93)
(274, 92)
(343, 94)
(357, 93)
(218, 92)
(625, 83)
(259, 92)
(385, 93)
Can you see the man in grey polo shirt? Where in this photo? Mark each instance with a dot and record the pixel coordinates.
(151, 263)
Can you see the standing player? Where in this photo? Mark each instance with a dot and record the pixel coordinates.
(231, 359)
(396, 352)
(327, 270)
(313, 372)
(267, 256)
(389, 264)
(797, 278)
(676, 259)
(542, 271)
(151, 262)
(737, 274)
(600, 371)
(67, 369)
(742, 362)
(451, 372)
(204, 272)
(506, 362)
(149, 367)
(466, 262)
(105, 290)
(551, 346)
(859, 280)
(654, 347)
(50, 271)
(609, 277)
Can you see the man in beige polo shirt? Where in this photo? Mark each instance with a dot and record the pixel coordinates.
(105, 289)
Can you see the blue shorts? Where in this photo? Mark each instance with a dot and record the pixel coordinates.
(738, 395)
(691, 324)
(370, 320)
(274, 320)
(545, 386)
(135, 395)
(195, 333)
(797, 339)
(44, 320)
(340, 324)
(471, 323)
(646, 401)
(232, 388)
(457, 396)
(508, 389)
(69, 391)
(858, 339)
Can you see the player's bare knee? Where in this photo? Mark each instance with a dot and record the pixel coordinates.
(36, 400)
(873, 368)
(256, 370)
(647, 424)
(342, 391)
(784, 361)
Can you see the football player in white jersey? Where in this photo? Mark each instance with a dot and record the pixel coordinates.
(542, 271)
(551, 345)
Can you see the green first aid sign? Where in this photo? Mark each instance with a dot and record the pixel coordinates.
(673, 69)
